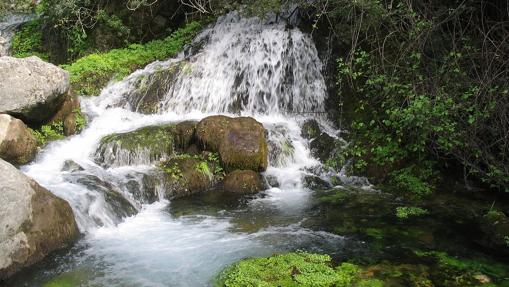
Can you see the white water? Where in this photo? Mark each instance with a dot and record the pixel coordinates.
(280, 75)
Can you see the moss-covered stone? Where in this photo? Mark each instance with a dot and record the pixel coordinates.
(495, 226)
(322, 147)
(241, 142)
(185, 175)
(143, 146)
(243, 181)
(310, 129)
(150, 90)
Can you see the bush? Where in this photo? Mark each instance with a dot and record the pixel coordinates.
(426, 85)
(91, 73)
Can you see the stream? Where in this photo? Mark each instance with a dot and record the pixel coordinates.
(239, 66)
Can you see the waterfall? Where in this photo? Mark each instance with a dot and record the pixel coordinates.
(237, 66)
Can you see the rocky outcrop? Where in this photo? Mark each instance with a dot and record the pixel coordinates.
(17, 144)
(243, 182)
(241, 142)
(143, 146)
(33, 221)
(31, 89)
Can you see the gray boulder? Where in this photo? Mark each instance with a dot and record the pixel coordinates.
(33, 221)
(31, 89)
(17, 144)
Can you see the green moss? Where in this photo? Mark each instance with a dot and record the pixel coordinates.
(404, 212)
(50, 132)
(158, 140)
(28, 41)
(91, 73)
(292, 269)
(81, 121)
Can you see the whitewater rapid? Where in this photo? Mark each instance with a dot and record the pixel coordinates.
(246, 67)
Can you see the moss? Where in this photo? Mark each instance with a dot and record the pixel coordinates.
(91, 73)
(292, 269)
(81, 121)
(404, 212)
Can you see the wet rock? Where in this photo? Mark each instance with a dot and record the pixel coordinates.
(185, 134)
(33, 221)
(112, 195)
(72, 166)
(495, 226)
(140, 147)
(272, 181)
(150, 90)
(66, 114)
(17, 144)
(241, 142)
(243, 181)
(316, 183)
(31, 89)
(144, 186)
(185, 175)
(322, 147)
(310, 129)
(281, 149)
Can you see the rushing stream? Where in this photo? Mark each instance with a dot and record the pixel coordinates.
(238, 66)
(245, 67)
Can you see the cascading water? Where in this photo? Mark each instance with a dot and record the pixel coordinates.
(245, 66)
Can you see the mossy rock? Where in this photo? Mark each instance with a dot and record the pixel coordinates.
(310, 129)
(241, 142)
(149, 91)
(143, 146)
(322, 147)
(292, 269)
(243, 182)
(185, 175)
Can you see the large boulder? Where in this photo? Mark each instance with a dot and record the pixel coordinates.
(33, 221)
(243, 182)
(143, 146)
(31, 89)
(17, 144)
(185, 175)
(241, 142)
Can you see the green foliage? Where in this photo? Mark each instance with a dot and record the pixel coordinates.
(203, 167)
(404, 212)
(50, 132)
(218, 169)
(417, 97)
(173, 170)
(81, 121)
(91, 73)
(28, 41)
(291, 269)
